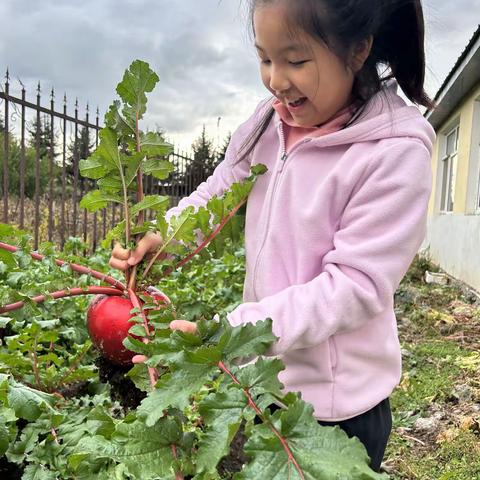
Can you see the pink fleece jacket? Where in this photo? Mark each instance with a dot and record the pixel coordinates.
(331, 229)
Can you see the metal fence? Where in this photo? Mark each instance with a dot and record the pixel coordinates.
(42, 147)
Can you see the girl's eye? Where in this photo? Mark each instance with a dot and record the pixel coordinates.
(297, 64)
(265, 62)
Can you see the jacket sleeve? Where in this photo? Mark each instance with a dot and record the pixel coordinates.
(379, 233)
(227, 172)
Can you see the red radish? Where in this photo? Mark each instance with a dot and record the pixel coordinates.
(108, 324)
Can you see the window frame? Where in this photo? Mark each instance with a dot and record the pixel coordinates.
(449, 167)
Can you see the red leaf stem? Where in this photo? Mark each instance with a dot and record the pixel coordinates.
(254, 406)
(152, 373)
(199, 248)
(178, 475)
(72, 292)
(75, 267)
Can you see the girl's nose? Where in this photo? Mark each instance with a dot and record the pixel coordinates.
(278, 81)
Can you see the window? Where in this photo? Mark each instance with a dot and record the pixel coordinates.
(449, 171)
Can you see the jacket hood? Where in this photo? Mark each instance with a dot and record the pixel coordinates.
(386, 115)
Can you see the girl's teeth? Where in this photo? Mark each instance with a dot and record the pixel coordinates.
(297, 103)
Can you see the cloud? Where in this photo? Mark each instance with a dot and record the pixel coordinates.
(200, 49)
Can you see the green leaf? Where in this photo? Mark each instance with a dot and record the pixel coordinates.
(4, 437)
(138, 80)
(132, 163)
(222, 413)
(246, 340)
(96, 200)
(153, 145)
(94, 167)
(7, 258)
(115, 121)
(27, 402)
(4, 321)
(38, 472)
(261, 377)
(183, 226)
(158, 168)
(154, 202)
(110, 184)
(174, 390)
(145, 451)
(108, 149)
(258, 169)
(322, 453)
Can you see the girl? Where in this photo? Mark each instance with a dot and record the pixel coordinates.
(335, 223)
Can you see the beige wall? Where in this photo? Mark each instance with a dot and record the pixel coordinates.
(453, 239)
(465, 113)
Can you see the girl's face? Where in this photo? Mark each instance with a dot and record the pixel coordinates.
(310, 80)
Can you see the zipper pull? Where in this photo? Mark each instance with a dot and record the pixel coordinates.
(283, 159)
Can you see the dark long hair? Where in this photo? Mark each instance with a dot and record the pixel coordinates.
(398, 31)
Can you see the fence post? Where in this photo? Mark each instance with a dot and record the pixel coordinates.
(6, 146)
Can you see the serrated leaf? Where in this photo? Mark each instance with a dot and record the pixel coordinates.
(158, 168)
(4, 321)
(145, 451)
(96, 200)
(183, 226)
(27, 402)
(258, 169)
(7, 258)
(110, 184)
(132, 163)
(38, 471)
(222, 413)
(4, 437)
(154, 202)
(108, 149)
(138, 80)
(153, 144)
(93, 167)
(261, 377)
(115, 121)
(322, 453)
(246, 340)
(174, 390)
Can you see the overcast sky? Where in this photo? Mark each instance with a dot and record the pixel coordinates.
(200, 49)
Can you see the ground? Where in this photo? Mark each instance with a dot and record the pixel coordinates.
(436, 408)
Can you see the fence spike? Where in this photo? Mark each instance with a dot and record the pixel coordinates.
(39, 88)
(65, 98)
(52, 94)
(76, 104)
(87, 108)
(7, 75)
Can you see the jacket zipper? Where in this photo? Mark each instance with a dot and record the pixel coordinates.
(283, 160)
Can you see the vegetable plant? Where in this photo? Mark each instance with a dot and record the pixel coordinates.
(201, 390)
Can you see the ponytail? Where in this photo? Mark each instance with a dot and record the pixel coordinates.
(399, 44)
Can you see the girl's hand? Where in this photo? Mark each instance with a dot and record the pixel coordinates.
(122, 258)
(182, 325)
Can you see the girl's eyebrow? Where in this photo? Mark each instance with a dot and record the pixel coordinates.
(290, 48)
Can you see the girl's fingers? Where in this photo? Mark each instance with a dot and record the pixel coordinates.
(118, 264)
(184, 326)
(120, 252)
(139, 359)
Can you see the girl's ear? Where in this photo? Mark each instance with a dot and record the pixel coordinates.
(360, 53)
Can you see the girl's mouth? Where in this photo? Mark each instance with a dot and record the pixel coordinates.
(297, 105)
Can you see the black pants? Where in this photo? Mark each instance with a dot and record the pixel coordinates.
(372, 428)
